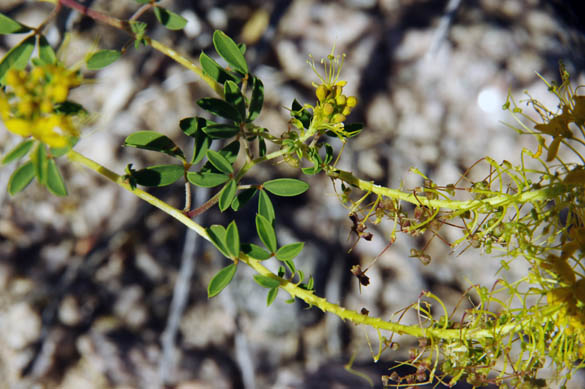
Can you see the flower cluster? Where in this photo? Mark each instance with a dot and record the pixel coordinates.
(332, 105)
(30, 102)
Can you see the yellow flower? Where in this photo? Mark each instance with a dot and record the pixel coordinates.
(27, 106)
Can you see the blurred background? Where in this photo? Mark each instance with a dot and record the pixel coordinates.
(88, 283)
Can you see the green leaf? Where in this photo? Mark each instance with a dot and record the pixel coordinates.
(159, 175)
(272, 293)
(39, 159)
(207, 179)
(353, 129)
(265, 207)
(18, 152)
(57, 152)
(46, 52)
(219, 162)
(139, 29)
(232, 239)
(102, 58)
(230, 152)
(17, 57)
(155, 141)
(216, 234)
(169, 19)
(286, 186)
(289, 251)
(234, 96)
(229, 51)
(213, 69)
(220, 108)
(200, 147)
(261, 147)
(302, 114)
(221, 280)
(257, 99)
(55, 181)
(291, 266)
(242, 198)
(266, 282)
(266, 232)
(11, 26)
(328, 154)
(191, 126)
(221, 131)
(242, 47)
(20, 178)
(255, 251)
(227, 195)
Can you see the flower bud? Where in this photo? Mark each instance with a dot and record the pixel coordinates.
(346, 111)
(340, 100)
(338, 118)
(352, 101)
(321, 92)
(328, 109)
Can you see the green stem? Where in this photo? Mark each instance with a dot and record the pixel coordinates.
(74, 156)
(460, 205)
(125, 26)
(294, 290)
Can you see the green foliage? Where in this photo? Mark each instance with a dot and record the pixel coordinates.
(266, 232)
(46, 53)
(221, 280)
(530, 214)
(11, 26)
(286, 187)
(18, 152)
(21, 177)
(17, 57)
(229, 51)
(159, 175)
(102, 58)
(169, 19)
(151, 140)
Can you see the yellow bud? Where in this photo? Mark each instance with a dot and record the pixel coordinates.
(328, 109)
(338, 89)
(338, 118)
(340, 100)
(352, 101)
(346, 111)
(321, 92)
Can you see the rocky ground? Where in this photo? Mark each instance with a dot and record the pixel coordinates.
(86, 281)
